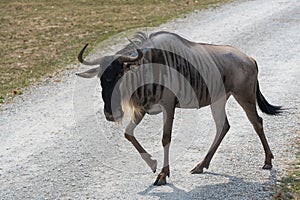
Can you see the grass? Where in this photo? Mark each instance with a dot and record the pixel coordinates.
(289, 187)
(41, 37)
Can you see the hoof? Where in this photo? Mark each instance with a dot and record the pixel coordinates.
(153, 166)
(161, 180)
(151, 163)
(199, 168)
(267, 166)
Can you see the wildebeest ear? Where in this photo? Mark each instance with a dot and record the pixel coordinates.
(89, 73)
(126, 67)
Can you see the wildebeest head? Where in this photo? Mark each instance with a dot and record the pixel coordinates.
(110, 70)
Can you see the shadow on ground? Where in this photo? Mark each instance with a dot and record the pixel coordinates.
(233, 189)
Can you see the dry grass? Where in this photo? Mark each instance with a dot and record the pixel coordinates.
(289, 187)
(40, 37)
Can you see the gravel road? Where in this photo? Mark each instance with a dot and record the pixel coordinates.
(56, 144)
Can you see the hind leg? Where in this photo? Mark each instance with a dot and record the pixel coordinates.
(222, 126)
(249, 106)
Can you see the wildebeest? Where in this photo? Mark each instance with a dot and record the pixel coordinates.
(165, 71)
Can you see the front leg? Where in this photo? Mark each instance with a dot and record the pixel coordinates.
(168, 115)
(129, 136)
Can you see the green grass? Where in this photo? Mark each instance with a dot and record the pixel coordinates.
(289, 187)
(40, 37)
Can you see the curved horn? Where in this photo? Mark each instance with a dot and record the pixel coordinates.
(81, 60)
(123, 58)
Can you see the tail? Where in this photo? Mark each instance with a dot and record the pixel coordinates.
(264, 105)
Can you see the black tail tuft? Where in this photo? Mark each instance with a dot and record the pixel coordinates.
(264, 105)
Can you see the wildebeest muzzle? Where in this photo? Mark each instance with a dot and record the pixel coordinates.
(114, 117)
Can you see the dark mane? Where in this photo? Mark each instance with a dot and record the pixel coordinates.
(140, 38)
